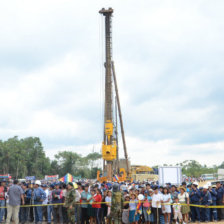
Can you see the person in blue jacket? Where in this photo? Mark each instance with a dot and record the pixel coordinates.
(206, 199)
(195, 197)
(27, 198)
(213, 213)
(220, 200)
(39, 196)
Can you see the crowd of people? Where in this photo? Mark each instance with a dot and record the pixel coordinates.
(87, 202)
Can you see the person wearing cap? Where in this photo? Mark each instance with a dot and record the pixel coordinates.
(15, 195)
(125, 212)
(39, 196)
(70, 201)
(157, 200)
(220, 200)
(206, 199)
(195, 197)
(45, 201)
(27, 198)
(116, 205)
(57, 195)
(125, 192)
(183, 198)
(132, 208)
(50, 207)
(84, 205)
(213, 193)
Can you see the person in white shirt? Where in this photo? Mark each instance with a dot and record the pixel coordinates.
(177, 210)
(157, 200)
(108, 202)
(167, 206)
(45, 202)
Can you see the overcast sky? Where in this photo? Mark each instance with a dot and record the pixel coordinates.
(169, 63)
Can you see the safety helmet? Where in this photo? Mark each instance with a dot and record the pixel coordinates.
(38, 182)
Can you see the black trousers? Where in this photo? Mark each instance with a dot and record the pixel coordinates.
(65, 215)
(57, 214)
(44, 211)
(220, 211)
(156, 214)
(84, 216)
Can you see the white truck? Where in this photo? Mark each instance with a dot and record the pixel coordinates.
(170, 174)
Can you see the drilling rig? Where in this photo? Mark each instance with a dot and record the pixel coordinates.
(110, 151)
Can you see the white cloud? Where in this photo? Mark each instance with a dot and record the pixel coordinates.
(170, 151)
(168, 58)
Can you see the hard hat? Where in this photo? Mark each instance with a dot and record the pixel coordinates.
(205, 187)
(140, 197)
(195, 183)
(38, 182)
(209, 184)
(115, 187)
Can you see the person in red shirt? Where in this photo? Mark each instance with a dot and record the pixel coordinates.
(2, 200)
(97, 199)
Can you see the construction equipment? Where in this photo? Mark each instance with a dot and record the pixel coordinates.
(143, 173)
(109, 145)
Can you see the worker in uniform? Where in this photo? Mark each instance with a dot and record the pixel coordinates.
(206, 200)
(116, 206)
(220, 200)
(195, 197)
(70, 200)
(213, 212)
(39, 196)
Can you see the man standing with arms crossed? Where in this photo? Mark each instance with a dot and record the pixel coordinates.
(15, 195)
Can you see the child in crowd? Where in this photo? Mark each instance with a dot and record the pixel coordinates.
(177, 211)
(125, 213)
(132, 208)
(146, 208)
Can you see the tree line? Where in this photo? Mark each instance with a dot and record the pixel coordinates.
(26, 157)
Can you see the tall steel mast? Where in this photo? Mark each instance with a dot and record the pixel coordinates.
(109, 147)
